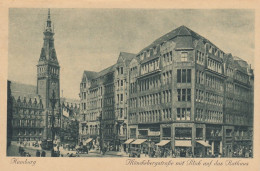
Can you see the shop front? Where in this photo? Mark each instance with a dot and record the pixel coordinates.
(139, 148)
(183, 142)
(183, 148)
(202, 149)
(164, 148)
(126, 145)
(214, 138)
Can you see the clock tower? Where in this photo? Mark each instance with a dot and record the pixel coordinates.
(48, 79)
(48, 69)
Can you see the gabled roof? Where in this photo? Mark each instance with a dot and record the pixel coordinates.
(89, 74)
(180, 31)
(127, 57)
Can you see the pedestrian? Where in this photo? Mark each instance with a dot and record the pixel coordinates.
(43, 154)
(38, 153)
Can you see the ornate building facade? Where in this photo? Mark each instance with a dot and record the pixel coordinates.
(104, 103)
(187, 92)
(30, 106)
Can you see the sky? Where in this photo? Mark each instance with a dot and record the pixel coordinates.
(91, 39)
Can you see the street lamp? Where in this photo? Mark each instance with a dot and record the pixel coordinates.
(53, 102)
(100, 133)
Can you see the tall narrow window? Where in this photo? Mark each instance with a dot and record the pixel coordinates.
(188, 75)
(183, 76)
(122, 70)
(188, 94)
(188, 114)
(178, 113)
(183, 94)
(122, 97)
(178, 76)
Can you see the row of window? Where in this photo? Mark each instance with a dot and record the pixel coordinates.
(108, 113)
(27, 123)
(109, 129)
(167, 58)
(215, 51)
(156, 98)
(93, 93)
(183, 75)
(51, 70)
(121, 113)
(229, 72)
(210, 98)
(27, 111)
(167, 77)
(200, 57)
(120, 83)
(27, 132)
(93, 104)
(150, 66)
(133, 102)
(91, 116)
(184, 94)
(133, 87)
(237, 119)
(151, 83)
(214, 66)
(183, 114)
(150, 52)
(108, 101)
(83, 85)
(199, 77)
(214, 116)
(214, 82)
(83, 95)
(92, 130)
(149, 116)
(120, 70)
(120, 97)
(199, 114)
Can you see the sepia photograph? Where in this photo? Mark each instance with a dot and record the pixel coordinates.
(130, 83)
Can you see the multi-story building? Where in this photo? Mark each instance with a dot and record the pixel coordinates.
(104, 98)
(187, 93)
(30, 107)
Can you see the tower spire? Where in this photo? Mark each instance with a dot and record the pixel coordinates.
(48, 26)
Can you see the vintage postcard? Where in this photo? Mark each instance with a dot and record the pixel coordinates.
(113, 87)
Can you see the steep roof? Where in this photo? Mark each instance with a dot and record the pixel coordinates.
(105, 71)
(89, 74)
(23, 91)
(127, 56)
(180, 31)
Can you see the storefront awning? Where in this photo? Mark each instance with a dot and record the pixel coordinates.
(205, 144)
(182, 143)
(88, 140)
(129, 141)
(163, 142)
(139, 141)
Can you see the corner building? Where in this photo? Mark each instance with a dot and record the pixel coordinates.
(186, 93)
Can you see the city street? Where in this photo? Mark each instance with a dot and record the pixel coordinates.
(13, 151)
